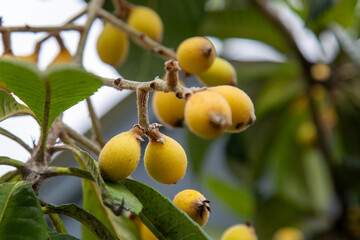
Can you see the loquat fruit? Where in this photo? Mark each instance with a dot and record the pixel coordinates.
(165, 162)
(288, 233)
(239, 232)
(320, 71)
(145, 233)
(221, 72)
(242, 108)
(147, 21)
(207, 114)
(120, 156)
(196, 54)
(193, 204)
(112, 45)
(63, 57)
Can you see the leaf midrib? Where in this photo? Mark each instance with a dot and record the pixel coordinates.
(7, 201)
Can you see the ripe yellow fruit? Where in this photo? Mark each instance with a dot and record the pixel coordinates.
(320, 71)
(147, 21)
(288, 233)
(194, 204)
(239, 232)
(165, 163)
(242, 108)
(221, 72)
(196, 54)
(207, 114)
(63, 57)
(168, 108)
(120, 156)
(145, 233)
(112, 45)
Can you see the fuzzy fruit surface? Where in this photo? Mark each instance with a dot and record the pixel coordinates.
(165, 163)
(239, 232)
(192, 202)
(120, 156)
(147, 21)
(168, 108)
(242, 108)
(112, 45)
(145, 233)
(207, 114)
(288, 233)
(196, 54)
(63, 57)
(221, 72)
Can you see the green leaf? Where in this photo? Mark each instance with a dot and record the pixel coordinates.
(197, 148)
(243, 23)
(318, 7)
(119, 225)
(20, 213)
(161, 216)
(236, 198)
(12, 176)
(10, 107)
(48, 94)
(83, 216)
(60, 236)
(108, 199)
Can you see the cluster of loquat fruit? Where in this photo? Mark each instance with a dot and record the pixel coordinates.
(208, 112)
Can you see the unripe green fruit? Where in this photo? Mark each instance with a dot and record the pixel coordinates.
(165, 162)
(194, 204)
(147, 21)
(112, 45)
(168, 108)
(120, 156)
(288, 233)
(196, 54)
(242, 108)
(207, 114)
(221, 72)
(239, 232)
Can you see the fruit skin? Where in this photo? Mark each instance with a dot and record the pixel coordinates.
(63, 57)
(147, 21)
(221, 72)
(194, 204)
(320, 71)
(168, 108)
(242, 108)
(165, 163)
(120, 156)
(112, 45)
(288, 233)
(207, 114)
(145, 233)
(196, 54)
(239, 232)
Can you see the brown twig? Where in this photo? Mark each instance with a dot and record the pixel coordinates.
(26, 28)
(137, 36)
(6, 42)
(96, 125)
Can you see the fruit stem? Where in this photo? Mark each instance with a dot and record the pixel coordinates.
(93, 7)
(172, 68)
(138, 37)
(96, 125)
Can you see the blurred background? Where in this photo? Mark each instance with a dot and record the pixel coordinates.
(297, 166)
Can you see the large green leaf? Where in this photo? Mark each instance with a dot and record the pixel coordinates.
(161, 216)
(20, 213)
(243, 23)
(318, 7)
(92, 202)
(48, 94)
(237, 198)
(60, 236)
(10, 107)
